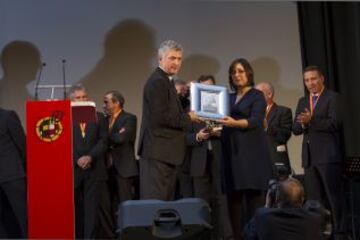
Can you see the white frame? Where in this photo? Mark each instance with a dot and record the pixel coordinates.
(221, 102)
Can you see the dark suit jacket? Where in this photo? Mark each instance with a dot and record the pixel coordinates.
(247, 161)
(199, 152)
(164, 122)
(95, 145)
(12, 146)
(279, 122)
(284, 224)
(321, 139)
(121, 145)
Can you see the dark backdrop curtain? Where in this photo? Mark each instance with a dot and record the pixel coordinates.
(330, 38)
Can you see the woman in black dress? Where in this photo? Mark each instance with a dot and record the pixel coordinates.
(247, 165)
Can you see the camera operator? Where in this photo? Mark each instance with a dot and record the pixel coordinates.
(283, 217)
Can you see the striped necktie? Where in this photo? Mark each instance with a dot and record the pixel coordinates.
(314, 100)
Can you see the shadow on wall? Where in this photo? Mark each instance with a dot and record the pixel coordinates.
(267, 69)
(195, 65)
(20, 61)
(125, 66)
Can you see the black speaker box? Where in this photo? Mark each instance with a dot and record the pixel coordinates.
(187, 218)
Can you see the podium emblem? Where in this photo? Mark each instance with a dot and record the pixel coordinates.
(49, 129)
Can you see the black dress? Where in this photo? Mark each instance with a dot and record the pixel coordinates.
(247, 164)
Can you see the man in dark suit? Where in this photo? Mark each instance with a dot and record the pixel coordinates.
(317, 118)
(89, 147)
(205, 162)
(121, 156)
(283, 217)
(278, 125)
(162, 142)
(12, 171)
(184, 186)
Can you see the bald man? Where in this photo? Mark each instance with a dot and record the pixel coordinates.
(287, 219)
(278, 124)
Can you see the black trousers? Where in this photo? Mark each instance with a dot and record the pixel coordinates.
(325, 183)
(105, 229)
(184, 187)
(121, 188)
(157, 180)
(208, 187)
(86, 208)
(14, 192)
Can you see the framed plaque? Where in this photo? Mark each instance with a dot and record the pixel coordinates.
(209, 101)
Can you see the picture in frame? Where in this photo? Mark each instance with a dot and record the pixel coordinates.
(209, 101)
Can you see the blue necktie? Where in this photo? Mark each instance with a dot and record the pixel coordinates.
(314, 100)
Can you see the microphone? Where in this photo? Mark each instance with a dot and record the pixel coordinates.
(38, 80)
(64, 79)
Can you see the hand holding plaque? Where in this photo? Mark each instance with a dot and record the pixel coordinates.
(194, 117)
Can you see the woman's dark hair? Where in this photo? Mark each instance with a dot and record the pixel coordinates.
(248, 70)
(204, 78)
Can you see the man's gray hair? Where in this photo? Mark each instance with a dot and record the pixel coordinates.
(269, 86)
(76, 87)
(167, 45)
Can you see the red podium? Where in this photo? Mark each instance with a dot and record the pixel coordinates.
(50, 170)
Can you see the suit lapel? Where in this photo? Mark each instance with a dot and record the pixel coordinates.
(272, 113)
(173, 91)
(320, 102)
(172, 88)
(306, 103)
(118, 122)
(88, 131)
(77, 138)
(77, 132)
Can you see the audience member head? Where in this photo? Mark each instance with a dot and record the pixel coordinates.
(313, 79)
(113, 102)
(170, 57)
(290, 193)
(241, 74)
(268, 91)
(78, 93)
(207, 79)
